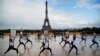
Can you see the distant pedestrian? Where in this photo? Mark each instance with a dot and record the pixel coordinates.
(74, 37)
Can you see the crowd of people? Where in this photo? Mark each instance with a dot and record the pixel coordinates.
(45, 41)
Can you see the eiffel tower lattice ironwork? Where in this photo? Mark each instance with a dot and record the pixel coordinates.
(46, 25)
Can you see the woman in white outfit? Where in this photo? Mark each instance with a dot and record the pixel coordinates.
(45, 43)
(11, 45)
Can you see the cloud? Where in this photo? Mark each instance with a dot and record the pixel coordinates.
(90, 4)
(22, 13)
(29, 14)
(95, 23)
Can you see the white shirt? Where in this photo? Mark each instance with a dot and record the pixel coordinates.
(11, 43)
(46, 44)
(21, 40)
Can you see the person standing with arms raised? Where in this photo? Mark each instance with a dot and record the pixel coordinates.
(45, 43)
(12, 36)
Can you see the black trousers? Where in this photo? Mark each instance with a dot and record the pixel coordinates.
(62, 41)
(11, 48)
(28, 40)
(73, 46)
(66, 42)
(83, 39)
(45, 49)
(94, 42)
(22, 44)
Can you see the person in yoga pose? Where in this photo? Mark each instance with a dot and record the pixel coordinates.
(45, 43)
(94, 41)
(63, 39)
(11, 45)
(28, 40)
(73, 45)
(45, 46)
(66, 41)
(21, 41)
(83, 37)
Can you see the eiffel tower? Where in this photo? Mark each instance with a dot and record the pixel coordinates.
(46, 25)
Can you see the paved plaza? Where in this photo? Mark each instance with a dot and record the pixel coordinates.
(83, 50)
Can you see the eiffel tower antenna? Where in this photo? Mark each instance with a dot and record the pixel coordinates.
(46, 25)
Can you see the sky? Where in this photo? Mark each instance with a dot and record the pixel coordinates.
(63, 14)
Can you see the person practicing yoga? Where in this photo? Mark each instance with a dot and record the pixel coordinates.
(73, 45)
(83, 37)
(21, 41)
(66, 41)
(63, 39)
(45, 43)
(27, 39)
(94, 41)
(11, 45)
